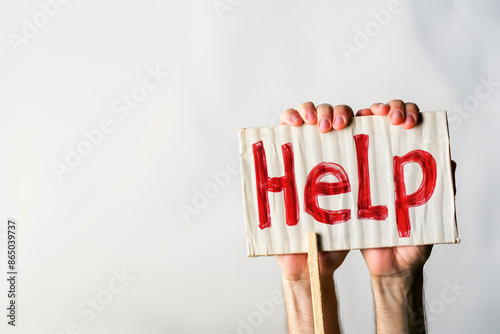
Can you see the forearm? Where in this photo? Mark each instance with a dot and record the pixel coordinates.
(299, 310)
(299, 306)
(399, 303)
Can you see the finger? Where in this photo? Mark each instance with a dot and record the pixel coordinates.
(341, 116)
(364, 112)
(379, 109)
(396, 112)
(291, 117)
(308, 112)
(453, 169)
(412, 113)
(325, 115)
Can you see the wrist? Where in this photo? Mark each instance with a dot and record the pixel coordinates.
(296, 284)
(304, 284)
(403, 281)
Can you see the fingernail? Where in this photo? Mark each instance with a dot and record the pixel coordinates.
(311, 115)
(380, 105)
(294, 118)
(397, 114)
(324, 124)
(339, 120)
(409, 118)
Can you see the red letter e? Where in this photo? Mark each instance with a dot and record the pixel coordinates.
(314, 188)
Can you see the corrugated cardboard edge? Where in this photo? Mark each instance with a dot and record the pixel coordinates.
(457, 239)
(250, 250)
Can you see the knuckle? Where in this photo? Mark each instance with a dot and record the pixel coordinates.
(397, 102)
(324, 106)
(345, 108)
(302, 106)
(413, 106)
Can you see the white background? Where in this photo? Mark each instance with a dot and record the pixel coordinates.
(119, 209)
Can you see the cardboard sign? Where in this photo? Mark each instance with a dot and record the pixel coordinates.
(369, 185)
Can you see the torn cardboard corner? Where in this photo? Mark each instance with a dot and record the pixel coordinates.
(370, 185)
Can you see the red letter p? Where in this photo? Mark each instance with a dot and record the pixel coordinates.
(419, 197)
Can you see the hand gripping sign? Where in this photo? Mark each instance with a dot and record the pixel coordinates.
(371, 184)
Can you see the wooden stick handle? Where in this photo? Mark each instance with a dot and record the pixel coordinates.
(317, 298)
